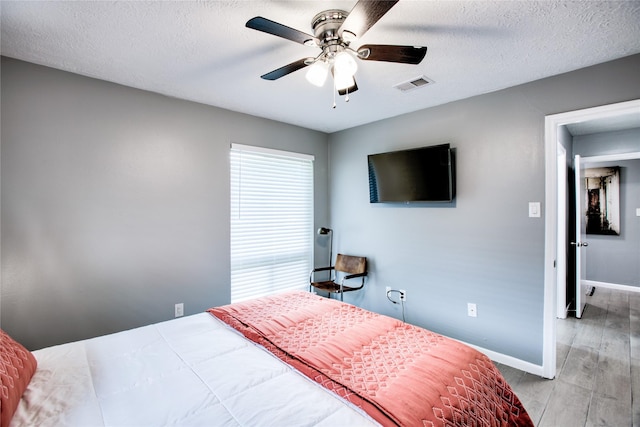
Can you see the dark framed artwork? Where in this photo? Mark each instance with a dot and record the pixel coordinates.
(602, 200)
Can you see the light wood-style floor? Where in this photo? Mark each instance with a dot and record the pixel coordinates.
(598, 370)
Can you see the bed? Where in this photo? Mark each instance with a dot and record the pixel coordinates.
(292, 359)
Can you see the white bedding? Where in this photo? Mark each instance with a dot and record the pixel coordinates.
(189, 371)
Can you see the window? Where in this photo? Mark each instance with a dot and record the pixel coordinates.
(271, 221)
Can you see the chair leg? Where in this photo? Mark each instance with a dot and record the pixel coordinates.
(341, 296)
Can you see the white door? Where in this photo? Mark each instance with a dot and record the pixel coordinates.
(561, 248)
(580, 244)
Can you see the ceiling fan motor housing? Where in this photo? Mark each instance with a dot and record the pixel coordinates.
(325, 26)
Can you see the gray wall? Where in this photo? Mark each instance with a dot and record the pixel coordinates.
(616, 259)
(115, 202)
(84, 243)
(484, 248)
(605, 143)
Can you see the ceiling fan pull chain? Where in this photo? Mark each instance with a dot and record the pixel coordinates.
(334, 95)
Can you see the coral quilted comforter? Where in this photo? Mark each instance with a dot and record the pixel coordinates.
(398, 373)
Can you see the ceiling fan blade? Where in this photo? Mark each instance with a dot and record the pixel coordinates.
(392, 53)
(287, 69)
(271, 27)
(364, 14)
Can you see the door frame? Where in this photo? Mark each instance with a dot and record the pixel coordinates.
(553, 124)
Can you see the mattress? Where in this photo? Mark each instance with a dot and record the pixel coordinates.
(189, 371)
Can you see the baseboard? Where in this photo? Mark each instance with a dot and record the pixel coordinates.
(510, 360)
(611, 286)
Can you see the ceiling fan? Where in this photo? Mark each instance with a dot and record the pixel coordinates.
(334, 31)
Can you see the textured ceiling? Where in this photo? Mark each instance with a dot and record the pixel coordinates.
(201, 51)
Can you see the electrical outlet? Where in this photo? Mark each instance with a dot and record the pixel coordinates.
(179, 310)
(472, 310)
(403, 295)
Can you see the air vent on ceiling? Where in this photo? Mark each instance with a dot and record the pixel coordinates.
(414, 83)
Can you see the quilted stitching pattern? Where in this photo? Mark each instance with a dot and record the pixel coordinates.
(456, 386)
(17, 366)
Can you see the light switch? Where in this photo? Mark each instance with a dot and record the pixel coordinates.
(534, 209)
(637, 211)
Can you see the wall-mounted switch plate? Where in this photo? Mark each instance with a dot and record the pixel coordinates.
(637, 211)
(534, 209)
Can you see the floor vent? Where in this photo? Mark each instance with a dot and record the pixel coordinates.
(414, 83)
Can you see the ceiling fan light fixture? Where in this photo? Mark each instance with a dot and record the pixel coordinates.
(342, 80)
(317, 73)
(345, 63)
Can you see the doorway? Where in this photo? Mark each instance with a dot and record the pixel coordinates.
(624, 115)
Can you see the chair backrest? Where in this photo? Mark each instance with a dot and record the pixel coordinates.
(351, 264)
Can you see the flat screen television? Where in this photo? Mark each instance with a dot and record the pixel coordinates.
(425, 174)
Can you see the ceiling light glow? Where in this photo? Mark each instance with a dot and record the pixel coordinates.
(345, 62)
(317, 73)
(342, 79)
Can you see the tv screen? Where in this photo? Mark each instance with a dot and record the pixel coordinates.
(425, 174)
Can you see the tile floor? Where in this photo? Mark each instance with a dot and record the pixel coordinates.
(598, 368)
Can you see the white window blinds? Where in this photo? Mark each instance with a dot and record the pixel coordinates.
(271, 221)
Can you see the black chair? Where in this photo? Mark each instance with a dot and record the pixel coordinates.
(351, 267)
